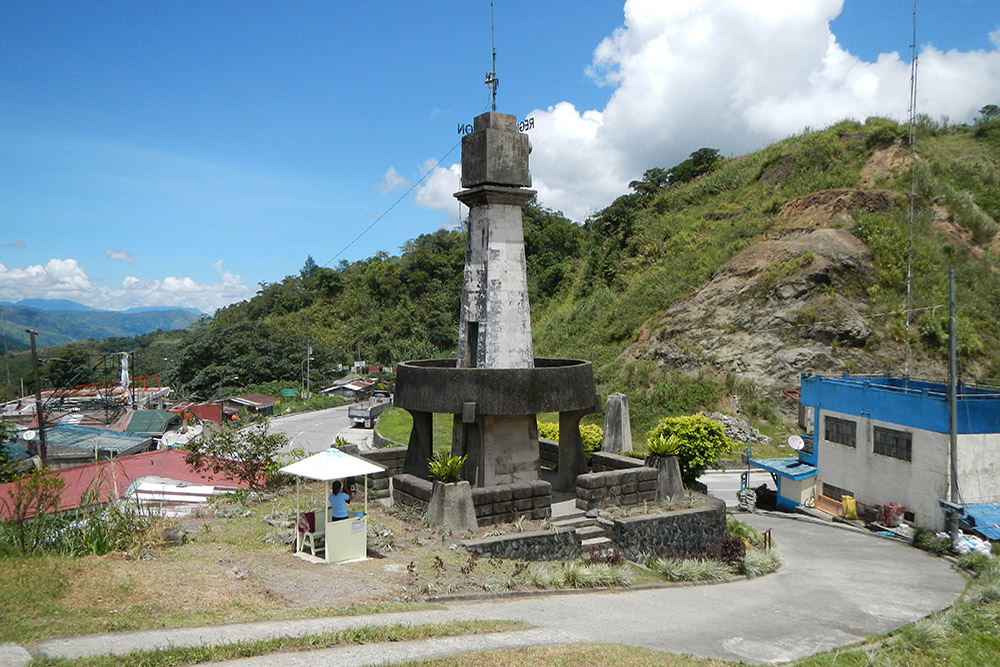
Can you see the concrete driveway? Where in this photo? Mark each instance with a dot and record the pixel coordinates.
(836, 588)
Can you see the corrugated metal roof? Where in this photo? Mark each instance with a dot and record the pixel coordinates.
(785, 467)
(110, 479)
(82, 437)
(254, 400)
(151, 421)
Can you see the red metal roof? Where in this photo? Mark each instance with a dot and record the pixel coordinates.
(112, 478)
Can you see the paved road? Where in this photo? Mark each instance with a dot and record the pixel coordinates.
(725, 484)
(837, 587)
(316, 431)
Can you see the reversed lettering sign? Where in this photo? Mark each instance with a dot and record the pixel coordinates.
(523, 126)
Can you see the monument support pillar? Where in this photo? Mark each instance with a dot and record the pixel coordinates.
(419, 449)
(572, 459)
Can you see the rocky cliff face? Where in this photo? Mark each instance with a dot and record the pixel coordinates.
(784, 306)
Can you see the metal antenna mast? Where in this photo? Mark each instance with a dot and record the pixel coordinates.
(491, 77)
(913, 186)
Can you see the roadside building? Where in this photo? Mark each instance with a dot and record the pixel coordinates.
(260, 404)
(885, 439)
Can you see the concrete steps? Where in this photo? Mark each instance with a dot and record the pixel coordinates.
(590, 529)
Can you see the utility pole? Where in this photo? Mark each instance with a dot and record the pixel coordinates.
(953, 401)
(39, 411)
(309, 351)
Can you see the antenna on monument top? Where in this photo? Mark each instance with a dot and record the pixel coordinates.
(491, 77)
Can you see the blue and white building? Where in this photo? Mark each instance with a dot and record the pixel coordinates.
(886, 439)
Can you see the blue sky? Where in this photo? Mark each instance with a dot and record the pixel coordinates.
(180, 153)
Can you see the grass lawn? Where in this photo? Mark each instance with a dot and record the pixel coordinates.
(395, 424)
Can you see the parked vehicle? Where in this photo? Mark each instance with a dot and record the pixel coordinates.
(366, 413)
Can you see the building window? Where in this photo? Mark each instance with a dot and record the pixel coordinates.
(897, 444)
(841, 431)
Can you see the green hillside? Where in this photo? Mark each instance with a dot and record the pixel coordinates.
(661, 288)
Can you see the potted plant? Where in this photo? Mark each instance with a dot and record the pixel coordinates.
(663, 447)
(451, 497)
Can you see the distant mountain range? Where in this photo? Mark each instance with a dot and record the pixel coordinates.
(59, 321)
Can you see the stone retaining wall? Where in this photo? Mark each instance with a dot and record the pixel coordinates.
(548, 453)
(507, 502)
(630, 486)
(679, 534)
(496, 504)
(392, 458)
(601, 461)
(540, 545)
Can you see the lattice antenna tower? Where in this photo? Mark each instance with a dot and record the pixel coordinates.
(913, 186)
(491, 77)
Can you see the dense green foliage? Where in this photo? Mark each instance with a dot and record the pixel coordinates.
(591, 435)
(696, 441)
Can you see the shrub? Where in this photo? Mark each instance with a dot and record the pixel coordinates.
(758, 562)
(976, 562)
(446, 468)
(699, 442)
(928, 541)
(31, 500)
(730, 550)
(689, 569)
(590, 434)
(745, 532)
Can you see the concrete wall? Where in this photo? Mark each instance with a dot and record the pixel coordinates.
(601, 461)
(548, 453)
(875, 479)
(979, 467)
(616, 487)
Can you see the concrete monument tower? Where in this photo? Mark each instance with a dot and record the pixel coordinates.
(495, 387)
(495, 325)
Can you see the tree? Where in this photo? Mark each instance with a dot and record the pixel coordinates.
(699, 162)
(247, 453)
(989, 112)
(697, 440)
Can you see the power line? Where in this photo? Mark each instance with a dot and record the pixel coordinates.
(395, 203)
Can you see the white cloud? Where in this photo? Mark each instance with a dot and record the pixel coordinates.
(438, 190)
(391, 181)
(66, 279)
(729, 74)
(119, 255)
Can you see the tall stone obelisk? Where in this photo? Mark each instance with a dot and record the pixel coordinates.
(495, 326)
(495, 323)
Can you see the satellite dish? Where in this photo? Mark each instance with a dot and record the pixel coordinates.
(796, 442)
(29, 435)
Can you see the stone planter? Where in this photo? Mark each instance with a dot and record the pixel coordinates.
(668, 476)
(451, 505)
